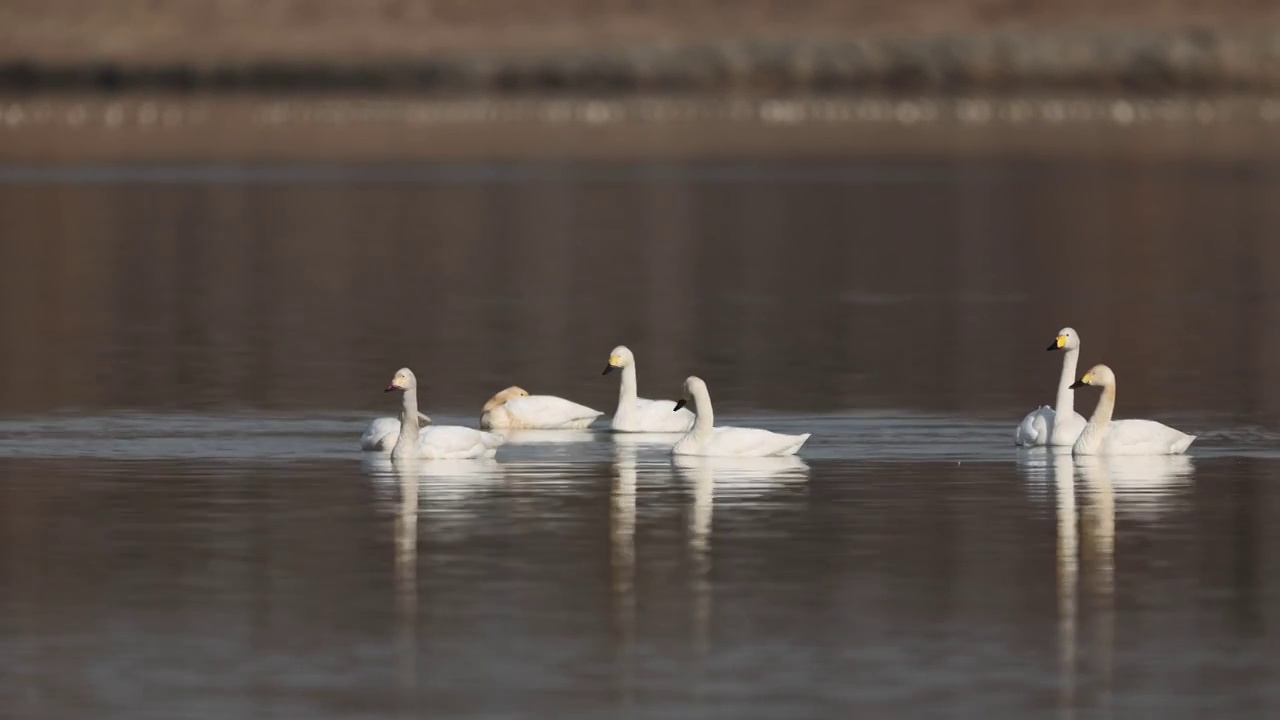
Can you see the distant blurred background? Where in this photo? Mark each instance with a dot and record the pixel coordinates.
(245, 203)
(224, 224)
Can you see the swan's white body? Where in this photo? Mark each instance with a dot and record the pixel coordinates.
(636, 414)
(516, 409)
(706, 439)
(1059, 425)
(435, 442)
(383, 433)
(1104, 436)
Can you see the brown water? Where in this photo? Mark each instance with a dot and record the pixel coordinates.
(187, 529)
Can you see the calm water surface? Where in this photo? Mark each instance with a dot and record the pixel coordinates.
(188, 530)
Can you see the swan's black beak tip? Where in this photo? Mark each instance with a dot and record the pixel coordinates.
(391, 388)
(607, 369)
(679, 404)
(1076, 384)
(1052, 346)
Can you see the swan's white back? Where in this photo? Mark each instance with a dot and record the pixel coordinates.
(454, 442)
(539, 412)
(740, 442)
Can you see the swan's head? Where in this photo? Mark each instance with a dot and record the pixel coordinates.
(1099, 375)
(1067, 339)
(693, 385)
(403, 380)
(509, 394)
(619, 358)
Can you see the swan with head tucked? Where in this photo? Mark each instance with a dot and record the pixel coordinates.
(635, 414)
(383, 432)
(706, 439)
(1059, 425)
(1104, 436)
(516, 409)
(435, 442)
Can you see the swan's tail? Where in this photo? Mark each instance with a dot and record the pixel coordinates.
(1182, 445)
(795, 448)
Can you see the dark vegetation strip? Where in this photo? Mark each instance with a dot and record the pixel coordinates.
(1190, 60)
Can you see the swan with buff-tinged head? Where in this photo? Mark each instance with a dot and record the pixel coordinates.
(515, 409)
(706, 439)
(1104, 436)
(635, 414)
(435, 442)
(1059, 425)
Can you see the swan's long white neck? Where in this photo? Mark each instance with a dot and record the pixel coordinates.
(408, 423)
(1096, 430)
(706, 419)
(627, 389)
(1065, 403)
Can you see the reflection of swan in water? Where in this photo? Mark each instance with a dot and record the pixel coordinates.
(545, 437)
(657, 441)
(622, 543)
(406, 574)
(1038, 470)
(1062, 472)
(732, 474)
(1142, 483)
(1098, 551)
(729, 473)
(458, 472)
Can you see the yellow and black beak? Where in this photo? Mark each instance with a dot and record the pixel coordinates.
(679, 404)
(1058, 343)
(607, 369)
(1081, 382)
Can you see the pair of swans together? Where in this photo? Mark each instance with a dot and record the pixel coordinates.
(1062, 426)
(514, 408)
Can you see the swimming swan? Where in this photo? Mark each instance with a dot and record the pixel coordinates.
(706, 439)
(636, 414)
(1060, 424)
(383, 431)
(435, 442)
(1104, 436)
(516, 409)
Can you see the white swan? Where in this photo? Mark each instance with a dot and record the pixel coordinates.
(435, 442)
(1104, 436)
(706, 439)
(1060, 424)
(382, 433)
(516, 409)
(636, 414)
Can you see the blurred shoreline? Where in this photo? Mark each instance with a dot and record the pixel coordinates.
(70, 129)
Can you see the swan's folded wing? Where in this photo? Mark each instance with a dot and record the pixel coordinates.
(661, 416)
(544, 410)
(747, 442)
(1146, 436)
(455, 440)
(1034, 428)
(381, 434)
